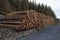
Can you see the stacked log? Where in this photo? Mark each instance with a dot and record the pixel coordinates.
(26, 20)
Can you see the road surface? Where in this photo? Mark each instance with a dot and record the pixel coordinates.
(52, 33)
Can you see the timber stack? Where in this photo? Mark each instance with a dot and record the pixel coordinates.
(23, 20)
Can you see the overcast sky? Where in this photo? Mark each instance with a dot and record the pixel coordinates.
(54, 4)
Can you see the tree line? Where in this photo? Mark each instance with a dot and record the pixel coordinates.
(21, 5)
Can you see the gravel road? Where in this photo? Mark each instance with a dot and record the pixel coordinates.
(10, 34)
(52, 33)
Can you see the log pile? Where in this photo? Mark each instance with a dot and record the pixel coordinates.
(26, 20)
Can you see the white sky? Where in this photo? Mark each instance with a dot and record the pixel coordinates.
(52, 3)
